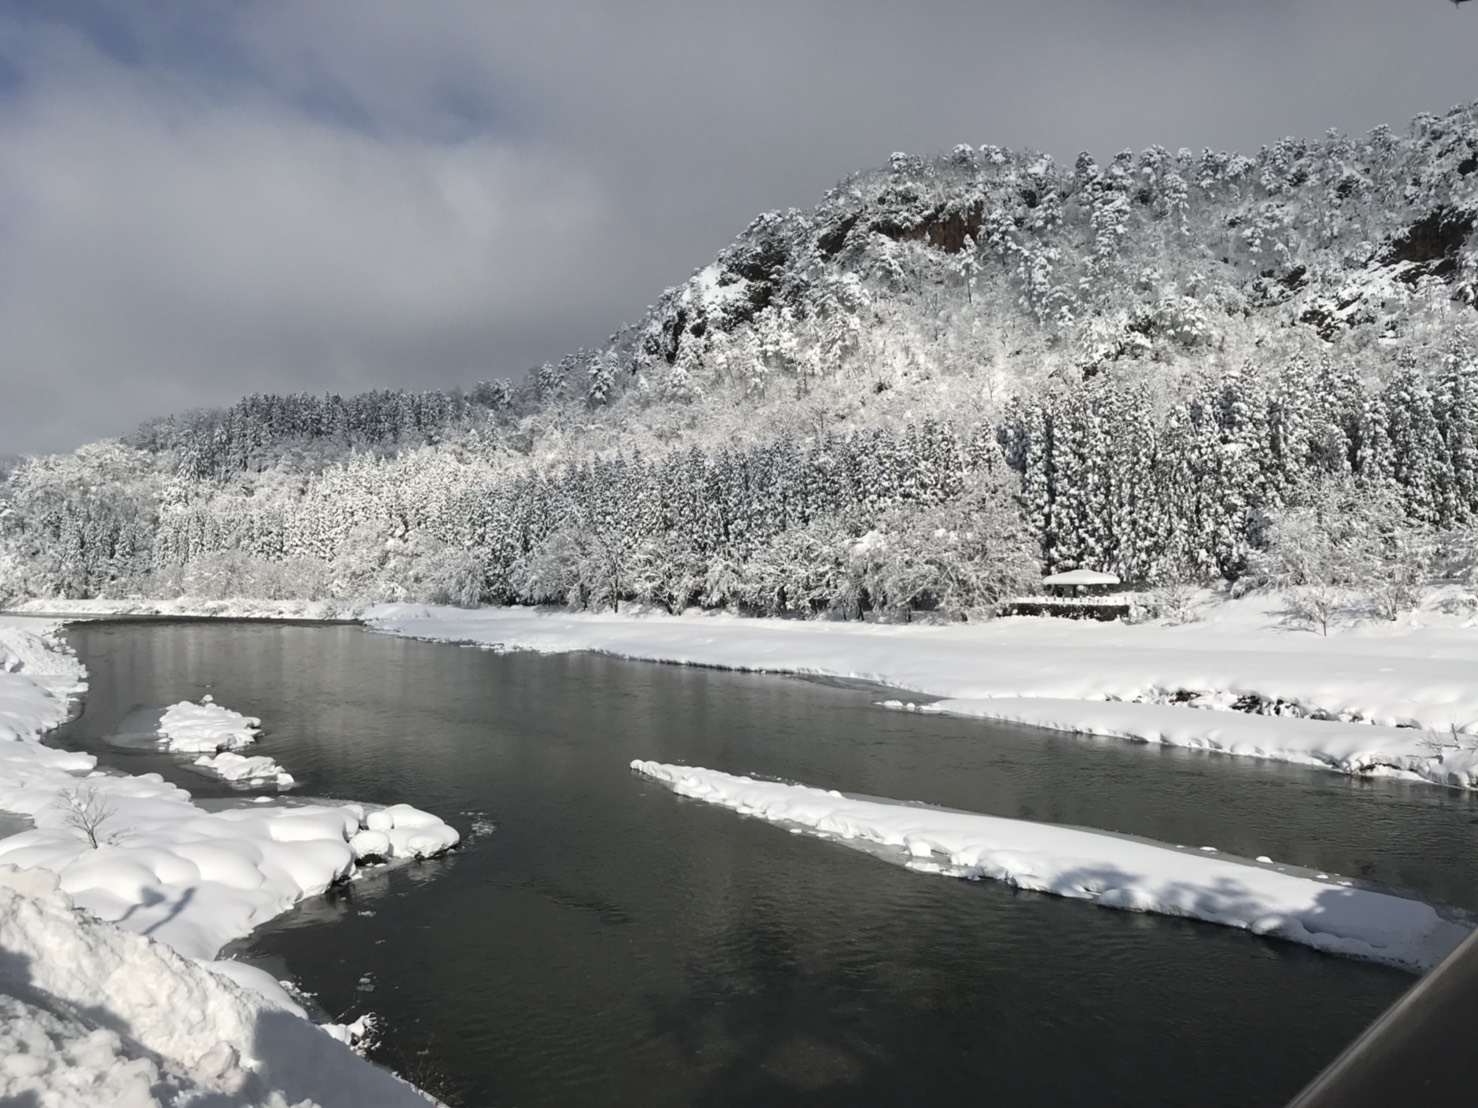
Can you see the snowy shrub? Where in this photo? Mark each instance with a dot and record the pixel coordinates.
(357, 565)
(219, 575)
(294, 579)
(723, 582)
(86, 811)
(667, 571)
(960, 558)
(1455, 555)
(1173, 601)
(1317, 604)
(799, 571)
(1459, 604)
(15, 578)
(550, 573)
(1342, 543)
(439, 573)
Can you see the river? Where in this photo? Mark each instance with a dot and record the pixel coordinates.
(600, 941)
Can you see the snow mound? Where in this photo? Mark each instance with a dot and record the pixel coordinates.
(39, 676)
(407, 833)
(219, 732)
(31, 647)
(91, 1015)
(370, 846)
(246, 770)
(325, 611)
(206, 727)
(1111, 871)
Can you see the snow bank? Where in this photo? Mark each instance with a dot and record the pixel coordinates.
(1350, 748)
(187, 727)
(92, 1012)
(1386, 678)
(191, 878)
(338, 611)
(38, 679)
(190, 728)
(1111, 871)
(137, 850)
(94, 1015)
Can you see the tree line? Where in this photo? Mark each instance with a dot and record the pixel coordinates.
(925, 515)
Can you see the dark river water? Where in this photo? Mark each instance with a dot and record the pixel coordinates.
(600, 941)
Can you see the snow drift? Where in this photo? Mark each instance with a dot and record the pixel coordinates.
(91, 1014)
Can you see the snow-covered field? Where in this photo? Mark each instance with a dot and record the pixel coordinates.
(1109, 870)
(1373, 697)
(137, 853)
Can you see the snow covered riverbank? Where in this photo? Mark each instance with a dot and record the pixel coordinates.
(94, 1015)
(138, 853)
(1109, 870)
(1378, 697)
(316, 611)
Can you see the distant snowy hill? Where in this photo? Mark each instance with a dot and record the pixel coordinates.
(952, 372)
(999, 264)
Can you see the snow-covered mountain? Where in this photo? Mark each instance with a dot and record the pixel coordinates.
(1005, 265)
(951, 371)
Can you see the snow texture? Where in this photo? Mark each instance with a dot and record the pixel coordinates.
(1394, 697)
(1081, 577)
(1109, 870)
(1351, 748)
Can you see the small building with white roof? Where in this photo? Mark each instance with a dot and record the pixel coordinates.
(1079, 582)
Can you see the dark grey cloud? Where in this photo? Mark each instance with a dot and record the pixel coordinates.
(199, 200)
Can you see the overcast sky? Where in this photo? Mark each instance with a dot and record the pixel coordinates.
(200, 199)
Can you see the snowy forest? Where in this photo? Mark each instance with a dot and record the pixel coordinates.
(952, 375)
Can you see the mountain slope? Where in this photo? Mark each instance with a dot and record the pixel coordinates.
(989, 261)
